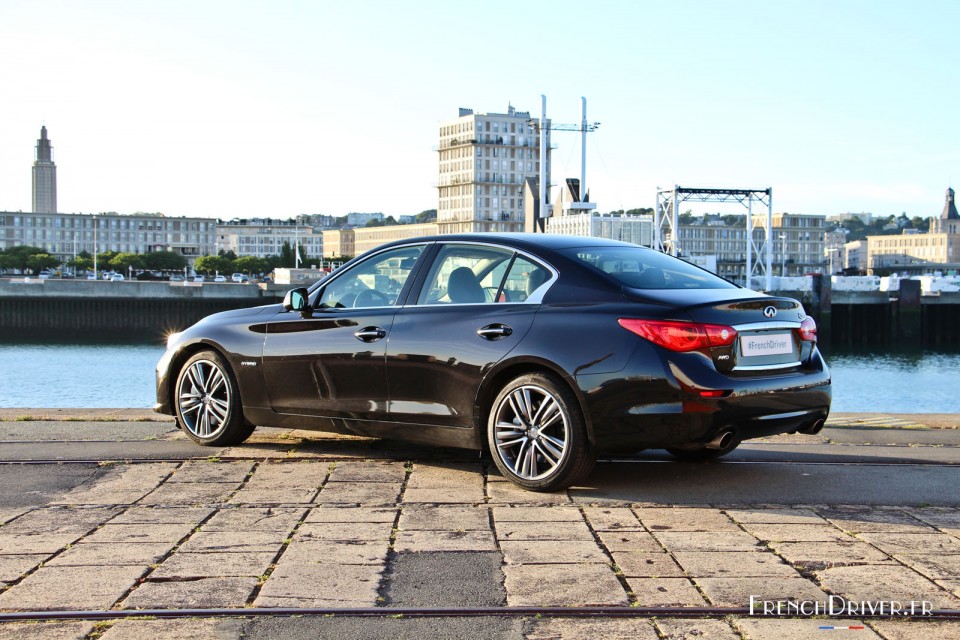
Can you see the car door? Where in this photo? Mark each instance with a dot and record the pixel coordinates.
(475, 304)
(330, 360)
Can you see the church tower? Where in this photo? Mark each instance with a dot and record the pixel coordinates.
(44, 176)
(949, 220)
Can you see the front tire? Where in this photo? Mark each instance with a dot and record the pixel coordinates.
(207, 402)
(537, 434)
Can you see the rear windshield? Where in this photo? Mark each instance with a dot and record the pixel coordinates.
(642, 268)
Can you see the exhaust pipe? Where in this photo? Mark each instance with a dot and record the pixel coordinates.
(722, 441)
(814, 428)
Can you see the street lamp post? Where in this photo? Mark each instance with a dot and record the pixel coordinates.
(783, 254)
(296, 242)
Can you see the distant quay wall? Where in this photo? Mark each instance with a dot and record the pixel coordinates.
(134, 310)
(141, 311)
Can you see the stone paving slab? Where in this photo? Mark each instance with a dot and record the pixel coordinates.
(71, 588)
(685, 519)
(46, 630)
(563, 585)
(214, 565)
(176, 629)
(205, 593)
(798, 533)
(258, 519)
(365, 493)
(537, 531)
(444, 518)
(121, 484)
(163, 515)
(666, 592)
(345, 531)
(741, 564)
(736, 592)
(707, 541)
(12, 567)
(785, 515)
(553, 552)
(20, 543)
(92, 554)
(860, 583)
(351, 514)
(828, 553)
(64, 521)
(233, 542)
(647, 565)
(612, 629)
(416, 541)
(337, 553)
(323, 585)
(694, 629)
(206, 471)
(612, 519)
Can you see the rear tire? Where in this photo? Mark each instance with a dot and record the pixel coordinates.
(537, 434)
(207, 402)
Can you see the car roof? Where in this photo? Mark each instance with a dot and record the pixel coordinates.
(522, 240)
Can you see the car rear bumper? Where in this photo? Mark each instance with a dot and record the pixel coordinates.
(637, 410)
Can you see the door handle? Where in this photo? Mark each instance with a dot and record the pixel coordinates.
(494, 331)
(370, 334)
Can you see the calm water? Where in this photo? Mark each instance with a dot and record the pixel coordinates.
(55, 375)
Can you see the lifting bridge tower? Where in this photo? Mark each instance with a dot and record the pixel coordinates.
(759, 253)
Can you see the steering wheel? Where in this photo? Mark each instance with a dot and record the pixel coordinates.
(371, 298)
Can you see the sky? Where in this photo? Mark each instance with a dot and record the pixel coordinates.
(274, 109)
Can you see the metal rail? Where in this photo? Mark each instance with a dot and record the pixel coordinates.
(444, 612)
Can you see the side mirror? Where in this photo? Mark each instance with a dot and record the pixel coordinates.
(296, 300)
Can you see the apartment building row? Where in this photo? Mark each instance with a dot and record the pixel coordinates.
(910, 250)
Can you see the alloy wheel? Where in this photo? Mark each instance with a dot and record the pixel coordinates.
(204, 398)
(531, 432)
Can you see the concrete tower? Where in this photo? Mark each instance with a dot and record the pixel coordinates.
(44, 176)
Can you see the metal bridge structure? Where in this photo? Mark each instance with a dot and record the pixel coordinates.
(666, 237)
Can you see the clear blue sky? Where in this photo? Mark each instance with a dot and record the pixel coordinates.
(227, 109)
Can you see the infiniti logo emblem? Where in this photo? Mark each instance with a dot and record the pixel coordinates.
(770, 312)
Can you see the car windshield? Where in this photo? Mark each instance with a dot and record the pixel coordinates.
(642, 268)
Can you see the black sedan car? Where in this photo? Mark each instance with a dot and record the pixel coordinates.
(546, 350)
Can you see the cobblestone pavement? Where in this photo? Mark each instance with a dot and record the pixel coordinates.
(348, 524)
(316, 533)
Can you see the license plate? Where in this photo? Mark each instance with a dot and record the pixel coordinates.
(766, 344)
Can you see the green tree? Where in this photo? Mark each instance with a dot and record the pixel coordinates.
(40, 261)
(213, 264)
(17, 257)
(229, 254)
(164, 261)
(251, 264)
(287, 258)
(428, 215)
(83, 261)
(103, 259)
(124, 262)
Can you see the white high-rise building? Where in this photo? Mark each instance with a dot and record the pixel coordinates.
(484, 160)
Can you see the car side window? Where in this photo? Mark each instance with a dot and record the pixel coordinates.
(524, 279)
(466, 274)
(375, 282)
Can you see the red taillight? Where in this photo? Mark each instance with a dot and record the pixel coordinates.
(808, 330)
(681, 336)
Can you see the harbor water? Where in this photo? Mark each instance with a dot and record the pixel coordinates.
(122, 376)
